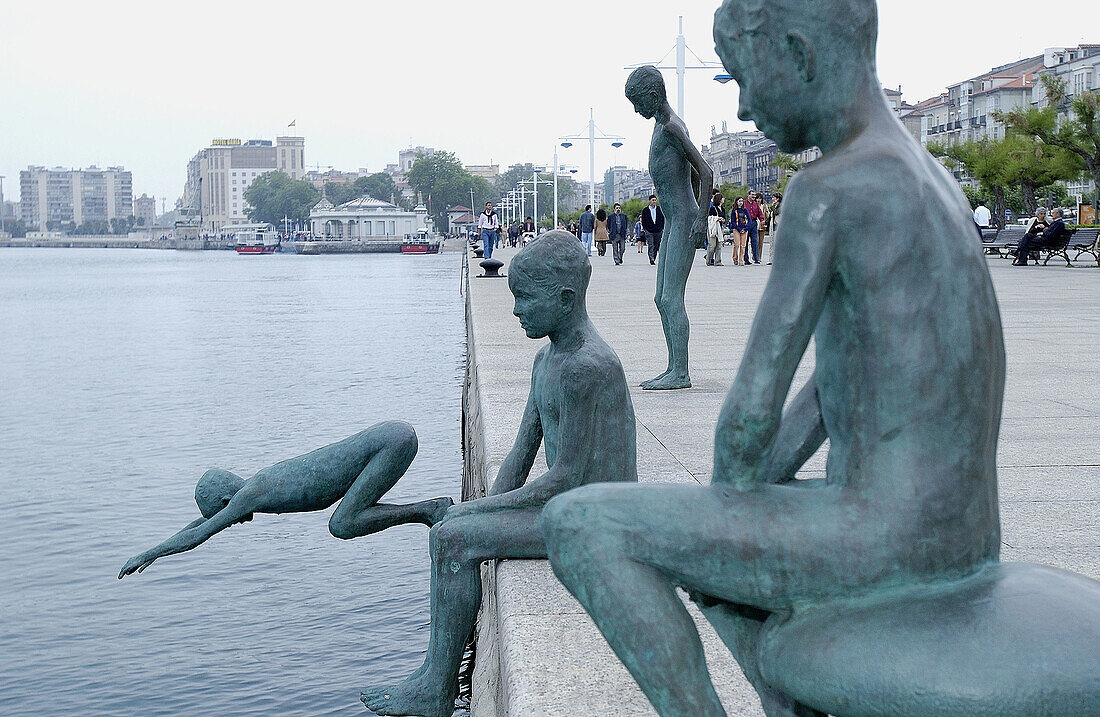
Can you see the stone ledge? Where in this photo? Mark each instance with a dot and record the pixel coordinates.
(539, 654)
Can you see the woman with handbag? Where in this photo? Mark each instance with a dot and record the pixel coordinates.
(716, 221)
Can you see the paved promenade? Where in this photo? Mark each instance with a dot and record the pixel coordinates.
(539, 654)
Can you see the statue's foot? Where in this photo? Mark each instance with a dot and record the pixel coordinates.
(647, 384)
(414, 696)
(671, 381)
(436, 509)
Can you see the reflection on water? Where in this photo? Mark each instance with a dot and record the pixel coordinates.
(124, 375)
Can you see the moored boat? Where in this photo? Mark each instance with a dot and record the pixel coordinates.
(255, 238)
(420, 243)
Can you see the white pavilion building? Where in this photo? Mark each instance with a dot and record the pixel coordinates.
(365, 219)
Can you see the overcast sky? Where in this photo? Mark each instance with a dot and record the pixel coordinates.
(147, 84)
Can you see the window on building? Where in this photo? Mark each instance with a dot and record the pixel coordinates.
(367, 230)
(393, 228)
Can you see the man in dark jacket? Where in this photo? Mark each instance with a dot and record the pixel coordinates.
(588, 228)
(653, 224)
(617, 227)
(1032, 241)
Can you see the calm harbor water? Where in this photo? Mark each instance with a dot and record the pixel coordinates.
(123, 376)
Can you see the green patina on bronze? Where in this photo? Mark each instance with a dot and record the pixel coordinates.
(876, 590)
(682, 181)
(579, 408)
(356, 471)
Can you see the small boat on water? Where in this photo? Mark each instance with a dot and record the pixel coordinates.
(420, 243)
(255, 238)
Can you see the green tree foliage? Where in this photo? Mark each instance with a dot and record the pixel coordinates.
(443, 182)
(633, 207)
(1078, 134)
(1010, 169)
(275, 195)
(787, 166)
(378, 186)
(731, 191)
(93, 227)
(1030, 164)
(981, 161)
(510, 179)
(18, 228)
(122, 225)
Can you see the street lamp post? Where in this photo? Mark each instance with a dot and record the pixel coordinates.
(681, 67)
(592, 138)
(471, 209)
(2, 229)
(535, 182)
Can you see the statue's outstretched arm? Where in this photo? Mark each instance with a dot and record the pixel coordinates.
(791, 305)
(517, 466)
(801, 433)
(195, 534)
(580, 392)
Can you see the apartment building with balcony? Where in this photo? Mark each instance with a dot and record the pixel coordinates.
(51, 199)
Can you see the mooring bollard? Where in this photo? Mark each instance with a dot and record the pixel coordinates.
(492, 269)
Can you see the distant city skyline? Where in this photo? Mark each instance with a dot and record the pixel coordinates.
(360, 97)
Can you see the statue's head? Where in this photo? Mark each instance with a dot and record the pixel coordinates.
(215, 489)
(548, 279)
(797, 62)
(645, 88)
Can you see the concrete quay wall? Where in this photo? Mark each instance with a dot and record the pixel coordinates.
(538, 653)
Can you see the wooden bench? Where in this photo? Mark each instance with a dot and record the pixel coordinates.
(1008, 239)
(1059, 248)
(1085, 241)
(989, 241)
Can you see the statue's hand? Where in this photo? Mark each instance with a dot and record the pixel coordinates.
(459, 510)
(137, 564)
(699, 233)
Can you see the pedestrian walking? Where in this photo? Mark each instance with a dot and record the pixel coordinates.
(639, 235)
(716, 222)
(756, 214)
(600, 233)
(488, 224)
(773, 221)
(739, 226)
(653, 224)
(617, 226)
(588, 228)
(982, 217)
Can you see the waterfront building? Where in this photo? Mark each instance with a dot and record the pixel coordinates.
(145, 211)
(459, 218)
(51, 199)
(1079, 67)
(219, 175)
(621, 184)
(333, 176)
(727, 154)
(405, 160)
(11, 211)
(965, 112)
(365, 219)
(487, 171)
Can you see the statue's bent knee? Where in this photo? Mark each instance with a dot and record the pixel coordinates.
(399, 434)
(569, 515)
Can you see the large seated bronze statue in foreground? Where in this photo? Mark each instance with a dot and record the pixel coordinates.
(878, 589)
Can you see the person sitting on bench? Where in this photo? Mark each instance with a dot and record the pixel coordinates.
(1034, 241)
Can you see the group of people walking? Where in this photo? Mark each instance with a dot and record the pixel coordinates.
(746, 222)
(741, 226)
